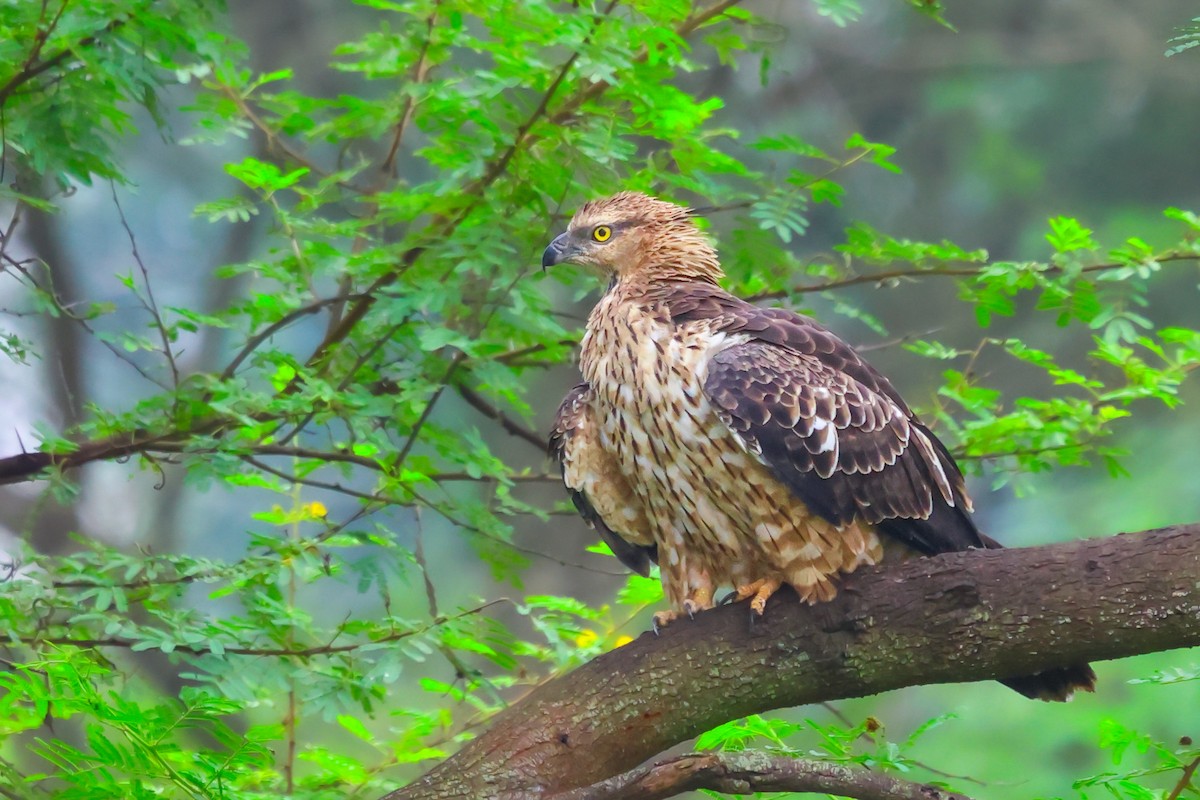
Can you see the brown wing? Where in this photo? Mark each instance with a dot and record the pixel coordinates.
(885, 461)
(881, 463)
(597, 487)
(828, 425)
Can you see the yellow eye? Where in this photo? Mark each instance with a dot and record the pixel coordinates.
(601, 233)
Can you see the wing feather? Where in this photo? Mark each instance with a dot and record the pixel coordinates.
(828, 425)
(597, 488)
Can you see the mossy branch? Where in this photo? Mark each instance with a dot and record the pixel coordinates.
(966, 616)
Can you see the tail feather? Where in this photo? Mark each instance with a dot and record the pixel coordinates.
(949, 529)
(1055, 685)
(1052, 685)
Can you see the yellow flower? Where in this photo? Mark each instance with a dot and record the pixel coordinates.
(623, 640)
(316, 510)
(586, 638)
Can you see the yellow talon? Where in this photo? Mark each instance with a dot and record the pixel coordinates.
(662, 619)
(761, 590)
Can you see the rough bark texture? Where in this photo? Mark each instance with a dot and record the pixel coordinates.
(959, 617)
(743, 773)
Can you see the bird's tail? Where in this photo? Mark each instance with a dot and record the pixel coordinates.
(951, 528)
(1052, 685)
(1055, 685)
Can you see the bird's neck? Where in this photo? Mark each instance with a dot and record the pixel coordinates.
(671, 267)
(676, 254)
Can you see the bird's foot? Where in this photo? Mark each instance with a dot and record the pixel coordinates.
(760, 590)
(662, 619)
(699, 600)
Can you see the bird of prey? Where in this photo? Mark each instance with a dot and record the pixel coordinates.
(736, 445)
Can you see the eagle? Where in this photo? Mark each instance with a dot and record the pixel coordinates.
(741, 446)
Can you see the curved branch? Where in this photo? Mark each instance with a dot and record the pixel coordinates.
(510, 425)
(901, 273)
(742, 773)
(27, 465)
(968, 616)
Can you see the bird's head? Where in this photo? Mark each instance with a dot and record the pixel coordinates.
(631, 235)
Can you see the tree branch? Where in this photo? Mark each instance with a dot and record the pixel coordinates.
(511, 426)
(742, 773)
(904, 273)
(33, 67)
(968, 616)
(292, 651)
(1185, 779)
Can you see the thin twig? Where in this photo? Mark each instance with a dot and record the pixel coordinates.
(838, 166)
(30, 70)
(315, 484)
(1185, 779)
(6, 237)
(148, 302)
(537, 477)
(704, 16)
(298, 652)
(461, 670)
(481, 404)
(501, 164)
(469, 528)
(518, 354)
(420, 71)
(946, 272)
(343, 457)
(67, 311)
(275, 141)
(275, 327)
(596, 88)
(457, 359)
(419, 557)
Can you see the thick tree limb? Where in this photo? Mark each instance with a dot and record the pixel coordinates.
(743, 773)
(959, 617)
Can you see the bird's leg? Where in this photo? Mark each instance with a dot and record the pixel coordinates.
(699, 598)
(675, 588)
(700, 591)
(761, 590)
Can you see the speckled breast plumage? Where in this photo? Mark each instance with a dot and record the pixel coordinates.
(717, 514)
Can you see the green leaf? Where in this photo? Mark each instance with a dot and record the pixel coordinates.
(355, 726)
(1066, 235)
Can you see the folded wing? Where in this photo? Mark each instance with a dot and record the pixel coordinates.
(598, 489)
(835, 431)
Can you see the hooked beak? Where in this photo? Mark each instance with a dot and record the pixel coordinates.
(555, 252)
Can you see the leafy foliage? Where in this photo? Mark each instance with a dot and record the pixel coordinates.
(1186, 37)
(74, 71)
(865, 744)
(1176, 763)
(406, 211)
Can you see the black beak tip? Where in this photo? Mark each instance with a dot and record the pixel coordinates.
(554, 251)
